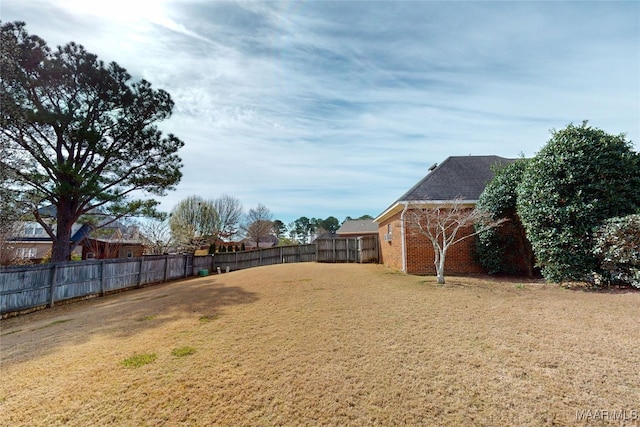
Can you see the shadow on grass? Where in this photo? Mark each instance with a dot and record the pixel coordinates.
(120, 315)
(613, 289)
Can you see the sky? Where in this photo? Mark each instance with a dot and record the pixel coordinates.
(322, 108)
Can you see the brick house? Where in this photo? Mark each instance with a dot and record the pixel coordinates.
(113, 241)
(29, 243)
(458, 177)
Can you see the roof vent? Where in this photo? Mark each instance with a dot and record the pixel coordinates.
(433, 166)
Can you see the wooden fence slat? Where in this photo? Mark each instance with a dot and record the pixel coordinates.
(53, 285)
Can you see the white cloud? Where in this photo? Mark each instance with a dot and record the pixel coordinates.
(337, 108)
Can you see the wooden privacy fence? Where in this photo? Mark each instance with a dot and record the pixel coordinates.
(32, 286)
(355, 249)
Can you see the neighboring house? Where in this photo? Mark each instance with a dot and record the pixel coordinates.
(106, 239)
(265, 242)
(113, 241)
(31, 243)
(357, 228)
(326, 235)
(458, 177)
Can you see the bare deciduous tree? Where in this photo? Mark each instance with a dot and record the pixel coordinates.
(157, 236)
(193, 223)
(229, 210)
(258, 224)
(442, 223)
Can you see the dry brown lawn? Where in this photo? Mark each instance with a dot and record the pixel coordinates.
(327, 344)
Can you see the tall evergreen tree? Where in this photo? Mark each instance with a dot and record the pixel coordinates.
(80, 136)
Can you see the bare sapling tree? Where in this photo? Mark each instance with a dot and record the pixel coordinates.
(446, 225)
(157, 236)
(258, 224)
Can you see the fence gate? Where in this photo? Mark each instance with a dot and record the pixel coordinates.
(348, 249)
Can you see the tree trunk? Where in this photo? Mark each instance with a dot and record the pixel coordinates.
(526, 250)
(439, 262)
(61, 249)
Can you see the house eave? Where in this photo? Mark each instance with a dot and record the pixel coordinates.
(398, 206)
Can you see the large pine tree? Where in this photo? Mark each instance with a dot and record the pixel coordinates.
(81, 136)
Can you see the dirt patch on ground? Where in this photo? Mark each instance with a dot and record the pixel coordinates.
(326, 344)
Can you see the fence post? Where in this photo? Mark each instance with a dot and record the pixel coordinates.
(53, 284)
(166, 268)
(140, 272)
(102, 278)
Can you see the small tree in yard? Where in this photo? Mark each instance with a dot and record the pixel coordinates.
(442, 224)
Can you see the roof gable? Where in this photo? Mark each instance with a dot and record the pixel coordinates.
(458, 177)
(355, 226)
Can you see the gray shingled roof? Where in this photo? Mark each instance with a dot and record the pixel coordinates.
(355, 226)
(462, 177)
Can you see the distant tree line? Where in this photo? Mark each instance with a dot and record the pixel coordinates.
(221, 224)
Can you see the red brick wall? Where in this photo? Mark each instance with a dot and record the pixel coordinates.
(458, 260)
(391, 251)
(420, 255)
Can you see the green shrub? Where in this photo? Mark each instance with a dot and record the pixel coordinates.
(507, 249)
(490, 252)
(580, 178)
(617, 248)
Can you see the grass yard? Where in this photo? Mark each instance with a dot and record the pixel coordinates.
(327, 344)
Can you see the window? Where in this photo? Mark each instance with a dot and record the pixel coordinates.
(91, 255)
(26, 253)
(33, 229)
(129, 254)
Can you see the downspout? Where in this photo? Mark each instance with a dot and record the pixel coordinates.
(403, 238)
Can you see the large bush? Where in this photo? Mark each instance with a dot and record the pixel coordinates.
(580, 178)
(617, 248)
(505, 249)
